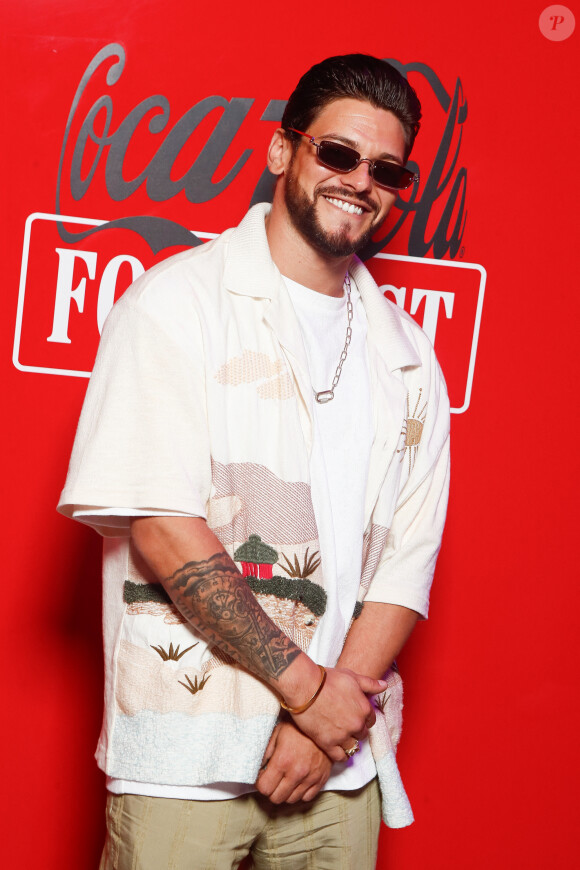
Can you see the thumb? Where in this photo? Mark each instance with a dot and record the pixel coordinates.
(371, 686)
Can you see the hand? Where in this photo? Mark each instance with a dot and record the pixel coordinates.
(295, 769)
(342, 713)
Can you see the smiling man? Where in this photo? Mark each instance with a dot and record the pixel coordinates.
(339, 129)
(264, 447)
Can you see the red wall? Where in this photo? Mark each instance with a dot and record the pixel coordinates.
(489, 752)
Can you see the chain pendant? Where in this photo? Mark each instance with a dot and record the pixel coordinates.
(324, 396)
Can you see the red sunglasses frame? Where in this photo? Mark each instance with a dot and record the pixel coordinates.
(405, 173)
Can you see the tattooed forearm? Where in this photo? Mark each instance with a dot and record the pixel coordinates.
(216, 599)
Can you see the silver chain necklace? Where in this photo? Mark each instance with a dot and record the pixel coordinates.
(325, 396)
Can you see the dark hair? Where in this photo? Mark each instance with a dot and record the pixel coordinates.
(358, 76)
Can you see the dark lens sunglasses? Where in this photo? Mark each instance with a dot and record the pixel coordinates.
(341, 158)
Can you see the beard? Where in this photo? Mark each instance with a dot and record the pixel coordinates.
(303, 215)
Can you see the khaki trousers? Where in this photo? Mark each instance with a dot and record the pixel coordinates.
(336, 831)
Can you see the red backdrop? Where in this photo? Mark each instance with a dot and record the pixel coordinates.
(489, 751)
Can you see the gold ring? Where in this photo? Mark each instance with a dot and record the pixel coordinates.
(353, 749)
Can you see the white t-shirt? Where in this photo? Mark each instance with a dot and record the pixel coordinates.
(339, 467)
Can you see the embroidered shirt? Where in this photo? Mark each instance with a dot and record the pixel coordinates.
(200, 402)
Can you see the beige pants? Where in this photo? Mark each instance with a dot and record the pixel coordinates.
(336, 831)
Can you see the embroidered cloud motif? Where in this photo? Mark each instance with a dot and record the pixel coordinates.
(253, 366)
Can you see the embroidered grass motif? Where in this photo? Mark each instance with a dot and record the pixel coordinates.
(172, 654)
(294, 603)
(195, 687)
(381, 701)
(151, 599)
(413, 430)
(257, 559)
(310, 565)
(298, 589)
(134, 593)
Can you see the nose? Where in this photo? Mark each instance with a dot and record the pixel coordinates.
(360, 178)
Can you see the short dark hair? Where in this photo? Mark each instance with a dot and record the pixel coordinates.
(359, 76)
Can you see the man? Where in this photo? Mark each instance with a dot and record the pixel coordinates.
(264, 446)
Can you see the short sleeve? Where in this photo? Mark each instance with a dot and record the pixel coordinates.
(142, 439)
(405, 570)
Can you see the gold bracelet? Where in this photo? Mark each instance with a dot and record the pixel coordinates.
(295, 710)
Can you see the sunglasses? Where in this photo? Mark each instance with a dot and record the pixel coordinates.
(341, 158)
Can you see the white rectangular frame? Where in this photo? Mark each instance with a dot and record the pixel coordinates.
(477, 323)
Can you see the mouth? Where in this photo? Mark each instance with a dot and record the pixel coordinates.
(343, 205)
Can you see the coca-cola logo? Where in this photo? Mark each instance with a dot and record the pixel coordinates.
(96, 134)
(122, 156)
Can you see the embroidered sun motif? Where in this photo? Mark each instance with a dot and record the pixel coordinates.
(413, 430)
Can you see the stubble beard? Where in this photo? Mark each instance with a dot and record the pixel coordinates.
(302, 213)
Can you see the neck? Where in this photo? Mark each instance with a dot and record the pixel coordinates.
(299, 261)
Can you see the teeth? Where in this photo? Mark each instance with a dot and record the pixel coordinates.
(349, 208)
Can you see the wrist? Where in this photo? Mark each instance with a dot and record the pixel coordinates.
(299, 682)
(294, 711)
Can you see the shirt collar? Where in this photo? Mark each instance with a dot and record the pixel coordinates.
(387, 323)
(249, 268)
(250, 271)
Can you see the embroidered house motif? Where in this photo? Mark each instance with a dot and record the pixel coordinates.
(256, 557)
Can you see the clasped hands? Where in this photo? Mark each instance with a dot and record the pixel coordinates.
(302, 748)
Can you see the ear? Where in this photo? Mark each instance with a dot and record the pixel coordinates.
(279, 152)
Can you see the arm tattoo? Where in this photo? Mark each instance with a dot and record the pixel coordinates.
(216, 599)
